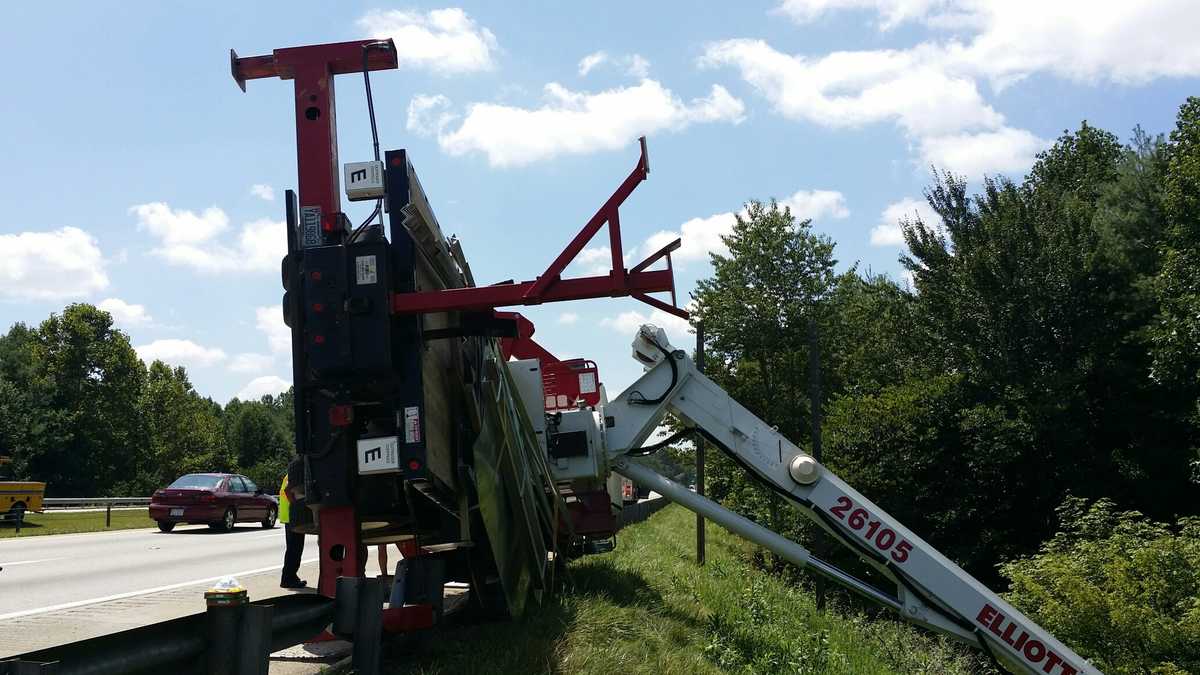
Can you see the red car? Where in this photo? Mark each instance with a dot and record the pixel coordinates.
(220, 500)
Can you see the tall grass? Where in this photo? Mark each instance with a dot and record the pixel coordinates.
(648, 608)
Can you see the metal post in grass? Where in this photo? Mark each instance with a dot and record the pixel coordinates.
(814, 394)
(108, 516)
(699, 452)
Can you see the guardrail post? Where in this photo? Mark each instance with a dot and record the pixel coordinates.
(254, 640)
(108, 516)
(358, 612)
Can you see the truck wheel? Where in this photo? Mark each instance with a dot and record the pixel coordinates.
(269, 522)
(165, 526)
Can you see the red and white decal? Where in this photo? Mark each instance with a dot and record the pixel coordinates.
(1034, 651)
(879, 535)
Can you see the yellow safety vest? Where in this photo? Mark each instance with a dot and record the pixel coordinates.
(284, 504)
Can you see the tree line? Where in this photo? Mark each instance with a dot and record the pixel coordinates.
(80, 411)
(1027, 399)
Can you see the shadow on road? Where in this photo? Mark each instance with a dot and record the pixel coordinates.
(205, 530)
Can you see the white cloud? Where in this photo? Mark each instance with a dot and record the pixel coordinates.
(637, 66)
(198, 240)
(124, 312)
(445, 41)
(568, 318)
(429, 115)
(263, 191)
(587, 63)
(850, 89)
(893, 12)
(1004, 150)
(180, 353)
(593, 260)
(919, 90)
(701, 236)
(64, 263)
(888, 231)
(269, 320)
(572, 123)
(251, 363)
(817, 204)
(263, 386)
(627, 323)
(1082, 40)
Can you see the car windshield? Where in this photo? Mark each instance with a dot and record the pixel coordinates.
(196, 481)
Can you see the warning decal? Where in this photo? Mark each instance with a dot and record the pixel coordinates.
(364, 269)
(412, 424)
(310, 226)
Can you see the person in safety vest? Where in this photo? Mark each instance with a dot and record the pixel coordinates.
(289, 496)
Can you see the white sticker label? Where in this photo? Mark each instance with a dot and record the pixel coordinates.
(378, 455)
(364, 269)
(310, 226)
(412, 425)
(587, 383)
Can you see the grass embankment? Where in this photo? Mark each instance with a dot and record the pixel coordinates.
(77, 521)
(648, 608)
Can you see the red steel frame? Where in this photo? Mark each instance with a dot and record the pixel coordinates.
(551, 287)
(313, 69)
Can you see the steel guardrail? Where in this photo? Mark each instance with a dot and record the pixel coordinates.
(83, 502)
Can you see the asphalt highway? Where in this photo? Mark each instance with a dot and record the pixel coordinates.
(57, 572)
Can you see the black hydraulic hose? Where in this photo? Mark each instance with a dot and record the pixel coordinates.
(651, 449)
(366, 51)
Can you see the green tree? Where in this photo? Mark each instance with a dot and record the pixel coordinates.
(85, 434)
(259, 435)
(185, 434)
(950, 470)
(21, 425)
(756, 309)
(1176, 333)
(1033, 293)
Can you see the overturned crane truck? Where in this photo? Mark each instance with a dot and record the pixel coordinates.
(426, 418)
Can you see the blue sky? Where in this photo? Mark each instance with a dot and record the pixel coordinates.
(139, 177)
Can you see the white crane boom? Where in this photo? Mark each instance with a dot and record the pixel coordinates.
(930, 589)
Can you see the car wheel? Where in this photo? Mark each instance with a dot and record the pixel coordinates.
(228, 521)
(165, 526)
(269, 521)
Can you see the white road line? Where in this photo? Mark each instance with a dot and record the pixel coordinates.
(27, 562)
(144, 591)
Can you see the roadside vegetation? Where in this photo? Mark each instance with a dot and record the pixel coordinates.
(82, 413)
(1027, 399)
(647, 607)
(36, 524)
